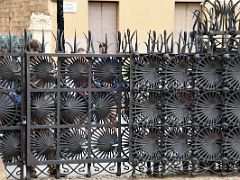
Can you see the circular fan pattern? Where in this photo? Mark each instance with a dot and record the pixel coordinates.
(208, 72)
(207, 109)
(177, 145)
(106, 72)
(43, 72)
(125, 142)
(10, 71)
(232, 73)
(8, 110)
(147, 108)
(147, 72)
(126, 70)
(231, 146)
(207, 144)
(42, 109)
(104, 143)
(177, 108)
(43, 145)
(10, 146)
(125, 106)
(176, 72)
(75, 72)
(74, 108)
(146, 144)
(104, 107)
(231, 108)
(126, 86)
(73, 143)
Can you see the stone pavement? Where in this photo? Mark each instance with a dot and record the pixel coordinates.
(2, 171)
(109, 177)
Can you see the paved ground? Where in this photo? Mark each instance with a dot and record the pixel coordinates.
(206, 176)
(108, 177)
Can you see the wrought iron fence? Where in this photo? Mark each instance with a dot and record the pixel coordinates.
(76, 112)
(83, 114)
(12, 131)
(184, 113)
(160, 113)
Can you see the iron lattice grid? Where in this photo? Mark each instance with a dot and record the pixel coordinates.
(177, 124)
(176, 113)
(11, 114)
(76, 112)
(184, 113)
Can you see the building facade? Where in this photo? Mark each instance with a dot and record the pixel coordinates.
(101, 17)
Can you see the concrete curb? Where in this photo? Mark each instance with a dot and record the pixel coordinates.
(2, 171)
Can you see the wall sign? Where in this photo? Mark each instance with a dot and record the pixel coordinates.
(69, 7)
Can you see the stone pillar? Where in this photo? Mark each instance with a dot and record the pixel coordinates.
(39, 22)
(2, 171)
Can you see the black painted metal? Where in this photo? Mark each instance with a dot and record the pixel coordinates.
(156, 113)
(60, 25)
(159, 113)
(74, 109)
(11, 114)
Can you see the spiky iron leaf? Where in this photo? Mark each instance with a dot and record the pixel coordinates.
(158, 41)
(119, 41)
(136, 43)
(91, 43)
(125, 43)
(75, 42)
(153, 41)
(56, 41)
(149, 41)
(87, 42)
(25, 39)
(43, 41)
(129, 40)
(161, 47)
(10, 42)
(93, 50)
(106, 44)
(62, 42)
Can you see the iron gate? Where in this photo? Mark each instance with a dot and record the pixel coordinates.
(77, 112)
(184, 113)
(12, 130)
(155, 113)
(160, 113)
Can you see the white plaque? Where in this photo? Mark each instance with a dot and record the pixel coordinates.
(69, 7)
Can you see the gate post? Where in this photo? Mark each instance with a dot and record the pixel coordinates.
(60, 26)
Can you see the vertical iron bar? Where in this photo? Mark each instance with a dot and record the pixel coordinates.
(131, 130)
(89, 120)
(28, 101)
(119, 122)
(59, 62)
(192, 62)
(23, 111)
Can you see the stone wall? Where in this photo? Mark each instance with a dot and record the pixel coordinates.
(15, 14)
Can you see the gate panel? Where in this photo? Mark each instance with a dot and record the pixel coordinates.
(77, 113)
(184, 113)
(183, 118)
(12, 114)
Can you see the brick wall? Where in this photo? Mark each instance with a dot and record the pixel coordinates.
(15, 14)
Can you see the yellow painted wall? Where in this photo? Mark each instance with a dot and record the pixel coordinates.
(52, 10)
(141, 15)
(76, 21)
(144, 15)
